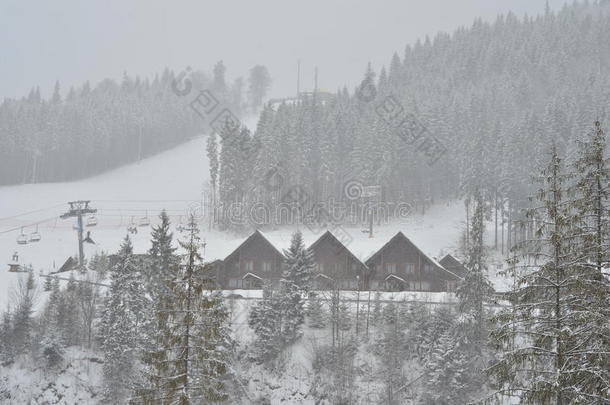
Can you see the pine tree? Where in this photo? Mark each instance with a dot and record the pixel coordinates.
(191, 361)
(295, 283)
(476, 288)
(541, 333)
(589, 286)
(377, 308)
(124, 321)
(6, 337)
(446, 377)
(213, 158)
(266, 321)
(162, 257)
(23, 322)
(52, 347)
(299, 264)
(392, 353)
(315, 312)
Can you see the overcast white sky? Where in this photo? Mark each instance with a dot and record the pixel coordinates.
(75, 40)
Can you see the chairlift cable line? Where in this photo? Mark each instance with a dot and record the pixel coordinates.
(17, 228)
(30, 212)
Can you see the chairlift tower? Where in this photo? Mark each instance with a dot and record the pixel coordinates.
(78, 209)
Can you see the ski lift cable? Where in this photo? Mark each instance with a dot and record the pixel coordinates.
(18, 228)
(30, 212)
(145, 201)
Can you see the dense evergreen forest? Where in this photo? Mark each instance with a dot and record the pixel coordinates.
(89, 129)
(493, 94)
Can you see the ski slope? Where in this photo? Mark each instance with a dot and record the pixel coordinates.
(174, 180)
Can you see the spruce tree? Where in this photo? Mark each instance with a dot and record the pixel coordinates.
(23, 322)
(266, 321)
(476, 288)
(299, 263)
(295, 284)
(124, 321)
(162, 257)
(190, 363)
(589, 286)
(446, 376)
(6, 337)
(316, 312)
(540, 334)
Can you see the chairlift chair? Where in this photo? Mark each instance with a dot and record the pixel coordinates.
(92, 220)
(144, 221)
(14, 266)
(22, 239)
(35, 236)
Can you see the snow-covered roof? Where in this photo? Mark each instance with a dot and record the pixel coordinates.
(329, 235)
(396, 277)
(255, 234)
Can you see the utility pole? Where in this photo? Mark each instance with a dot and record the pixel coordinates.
(78, 209)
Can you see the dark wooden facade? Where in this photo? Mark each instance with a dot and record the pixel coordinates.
(253, 263)
(454, 266)
(401, 266)
(398, 266)
(336, 266)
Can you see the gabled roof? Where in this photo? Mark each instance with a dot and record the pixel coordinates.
(328, 236)
(450, 262)
(396, 277)
(255, 235)
(251, 275)
(70, 264)
(402, 236)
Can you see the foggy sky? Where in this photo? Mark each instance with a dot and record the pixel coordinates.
(75, 40)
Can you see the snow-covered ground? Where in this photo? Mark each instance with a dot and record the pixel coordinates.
(175, 181)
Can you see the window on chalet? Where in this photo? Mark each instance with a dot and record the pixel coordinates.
(390, 268)
(266, 267)
(249, 266)
(410, 268)
(233, 283)
(320, 267)
(424, 286)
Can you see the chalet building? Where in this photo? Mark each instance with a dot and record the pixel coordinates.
(336, 266)
(453, 265)
(254, 262)
(401, 266)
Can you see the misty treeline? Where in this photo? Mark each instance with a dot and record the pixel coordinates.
(493, 94)
(89, 129)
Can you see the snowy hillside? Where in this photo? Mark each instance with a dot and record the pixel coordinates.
(175, 181)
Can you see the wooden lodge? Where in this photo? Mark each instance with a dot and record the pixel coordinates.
(254, 262)
(336, 265)
(454, 266)
(398, 266)
(401, 266)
